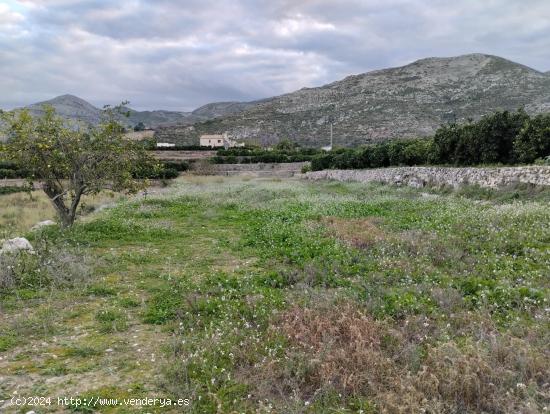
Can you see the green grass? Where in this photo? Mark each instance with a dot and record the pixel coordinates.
(290, 296)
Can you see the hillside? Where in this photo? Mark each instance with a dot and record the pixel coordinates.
(407, 101)
(217, 109)
(69, 106)
(75, 108)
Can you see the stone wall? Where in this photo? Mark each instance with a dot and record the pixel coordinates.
(283, 169)
(421, 176)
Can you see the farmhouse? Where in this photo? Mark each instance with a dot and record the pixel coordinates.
(212, 140)
(218, 140)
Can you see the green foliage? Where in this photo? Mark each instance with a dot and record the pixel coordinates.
(176, 165)
(163, 307)
(503, 137)
(7, 341)
(490, 140)
(533, 140)
(227, 277)
(286, 145)
(139, 127)
(71, 161)
(286, 152)
(400, 152)
(51, 264)
(111, 320)
(12, 189)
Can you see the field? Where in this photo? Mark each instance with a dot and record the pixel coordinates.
(285, 296)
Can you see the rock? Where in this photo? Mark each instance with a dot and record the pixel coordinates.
(16, 245)
(44, 223)
(419, 177)
(416, 182)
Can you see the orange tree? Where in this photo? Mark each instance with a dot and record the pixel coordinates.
(72, 160)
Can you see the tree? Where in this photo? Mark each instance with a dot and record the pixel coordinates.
(533, 141)
(139, 127)
(71, 161)
(286, 145)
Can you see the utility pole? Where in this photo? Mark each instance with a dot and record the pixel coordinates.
(331, 135)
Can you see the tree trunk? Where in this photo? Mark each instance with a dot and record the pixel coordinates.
(56, 197)
(74, 205)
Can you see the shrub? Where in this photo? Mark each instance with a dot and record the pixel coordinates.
(533, 140)
(177, 165)
(503, 137)
(12, 189)
(5, 173)
(51, 264)
(111, 320)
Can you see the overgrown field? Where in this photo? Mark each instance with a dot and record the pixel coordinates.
(20, 210)
(289, 297)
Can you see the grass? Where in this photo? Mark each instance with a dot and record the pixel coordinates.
(286, 296)
(19, 211)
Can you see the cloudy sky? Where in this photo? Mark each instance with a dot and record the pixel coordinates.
(178, 55)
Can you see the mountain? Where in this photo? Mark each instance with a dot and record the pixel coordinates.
(75, 108)
(408, 101)
(71, 107)
(218, 109)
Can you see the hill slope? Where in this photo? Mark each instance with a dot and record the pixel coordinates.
(407, 101)
(71, 107)
(75, 108)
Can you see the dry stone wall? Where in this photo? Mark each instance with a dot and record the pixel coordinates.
(283, 169)
(421, 176)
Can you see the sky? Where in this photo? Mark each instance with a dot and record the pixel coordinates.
(179, 55)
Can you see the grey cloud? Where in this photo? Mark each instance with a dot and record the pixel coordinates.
(181, 54)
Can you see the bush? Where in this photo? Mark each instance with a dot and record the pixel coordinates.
(5, 173)
(12, 190)
(51, 264)
(533, 140)
(177, 165)
(255, 155)
(8, 165)
(501, 138)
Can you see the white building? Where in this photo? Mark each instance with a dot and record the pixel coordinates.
(218, 141)
(212, 140)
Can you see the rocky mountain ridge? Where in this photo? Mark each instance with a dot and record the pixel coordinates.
(75, 108)
(408, 101)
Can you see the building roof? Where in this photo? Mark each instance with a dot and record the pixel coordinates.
(214, 136)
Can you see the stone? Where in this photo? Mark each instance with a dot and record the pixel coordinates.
(419, 177)
(44, 223)
(16, 245)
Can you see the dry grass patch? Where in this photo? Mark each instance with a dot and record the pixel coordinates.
(360, 233)
(20, 211)
(337, 349)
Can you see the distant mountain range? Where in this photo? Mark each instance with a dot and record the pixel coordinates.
(75, 108)
(408, 101)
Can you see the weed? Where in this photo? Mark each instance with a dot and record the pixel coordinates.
(111, 320)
